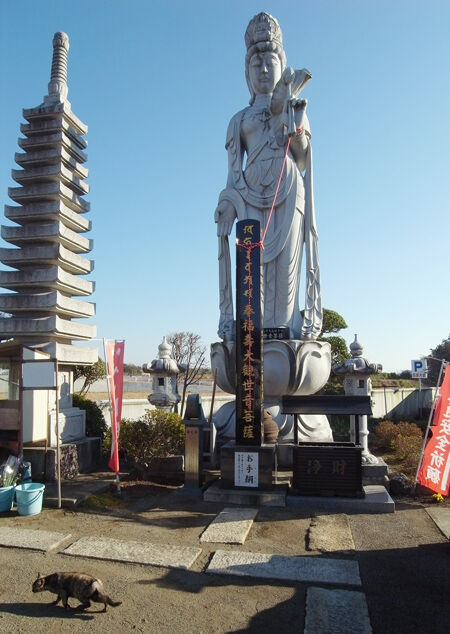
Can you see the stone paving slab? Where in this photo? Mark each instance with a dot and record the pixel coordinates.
(231, 526)
(304, 569)
(134, 552)
(330, 533)
(246, 497)
(336, 612)
(32, 539)
(441, 517)
(376, 500)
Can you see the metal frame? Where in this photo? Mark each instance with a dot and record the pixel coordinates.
(56, 388)
(335, 404)
(16, 350)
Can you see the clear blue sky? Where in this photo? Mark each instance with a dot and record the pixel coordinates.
(157, 82)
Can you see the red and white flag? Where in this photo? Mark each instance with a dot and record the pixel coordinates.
(434, 472)
(114, 372)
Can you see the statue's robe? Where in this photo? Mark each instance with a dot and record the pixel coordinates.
(251, 190)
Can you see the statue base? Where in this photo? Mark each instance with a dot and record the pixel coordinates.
(311, 428)
(291, 367)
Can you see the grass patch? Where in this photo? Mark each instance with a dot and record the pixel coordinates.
(104, 500)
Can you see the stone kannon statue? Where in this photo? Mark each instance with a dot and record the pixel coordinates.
(256, 142)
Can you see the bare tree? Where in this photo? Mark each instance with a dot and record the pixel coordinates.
(189, 353)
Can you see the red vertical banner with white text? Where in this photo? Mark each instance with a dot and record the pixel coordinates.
(434, 472)
(114, 372)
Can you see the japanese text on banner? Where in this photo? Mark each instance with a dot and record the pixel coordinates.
(434, 472)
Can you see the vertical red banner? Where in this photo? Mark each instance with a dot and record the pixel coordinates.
(114, 371)
(434, 472)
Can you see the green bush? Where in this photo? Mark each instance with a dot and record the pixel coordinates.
(404, 439)
(106, 446)
(398, 436)
(158, 434)
(95, 421)
(385, 432)
(408, 447)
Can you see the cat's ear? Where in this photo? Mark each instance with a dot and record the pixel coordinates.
(39, 575)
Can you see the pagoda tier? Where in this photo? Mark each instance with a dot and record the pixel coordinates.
(49, 216)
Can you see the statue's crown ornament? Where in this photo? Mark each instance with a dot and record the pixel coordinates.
(263, 28)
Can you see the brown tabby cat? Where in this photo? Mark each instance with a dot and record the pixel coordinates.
(83, 587)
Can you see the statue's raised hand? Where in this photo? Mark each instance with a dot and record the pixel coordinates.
(224, 216)
(289, 86)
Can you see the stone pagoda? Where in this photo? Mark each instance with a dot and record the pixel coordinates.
(47, 260)
(49, 214)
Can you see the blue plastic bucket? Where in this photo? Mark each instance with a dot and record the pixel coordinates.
(29, 497)
(6, 498)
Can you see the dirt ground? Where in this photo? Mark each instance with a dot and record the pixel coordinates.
(403, 559)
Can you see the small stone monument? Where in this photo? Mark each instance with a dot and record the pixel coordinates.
(164, 371)
(357, 372)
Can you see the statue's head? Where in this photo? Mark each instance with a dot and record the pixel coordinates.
(264, 42)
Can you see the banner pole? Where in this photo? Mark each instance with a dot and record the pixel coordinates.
(113, 440)
(430, 418)
(58, 442)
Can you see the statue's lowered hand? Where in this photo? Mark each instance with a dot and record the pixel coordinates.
(224, 216)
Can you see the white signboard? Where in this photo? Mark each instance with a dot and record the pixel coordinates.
(419, 369)
(246, 469)
(39, 375)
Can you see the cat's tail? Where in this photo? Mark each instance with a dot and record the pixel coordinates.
(99, 597)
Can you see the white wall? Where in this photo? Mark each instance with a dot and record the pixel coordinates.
(396, 403)
(400, 403)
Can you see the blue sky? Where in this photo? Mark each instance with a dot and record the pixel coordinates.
(157, 83)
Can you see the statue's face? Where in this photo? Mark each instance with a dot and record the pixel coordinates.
(264, 72)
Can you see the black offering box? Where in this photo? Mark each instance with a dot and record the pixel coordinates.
(327, 469)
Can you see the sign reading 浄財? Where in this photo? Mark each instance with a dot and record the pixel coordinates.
(246, 469)
(419, 369)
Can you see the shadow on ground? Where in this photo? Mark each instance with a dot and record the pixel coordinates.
(40, 610)
(407, 589)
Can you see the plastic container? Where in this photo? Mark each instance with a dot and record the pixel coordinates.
(6, 498)
(29, 498)
(27, 472)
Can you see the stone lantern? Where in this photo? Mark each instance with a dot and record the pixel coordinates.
(164, 371)
(357, 372)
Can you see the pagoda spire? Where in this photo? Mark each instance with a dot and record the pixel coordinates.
(57, 87)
